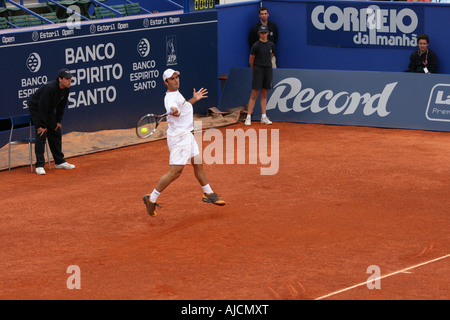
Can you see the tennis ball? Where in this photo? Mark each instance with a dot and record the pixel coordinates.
(144, 130)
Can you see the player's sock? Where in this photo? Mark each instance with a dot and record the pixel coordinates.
(154, 196)
(249, 116)
(263, 115)
(207, 189)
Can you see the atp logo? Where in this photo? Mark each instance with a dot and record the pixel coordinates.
(171, 50)
(143, 47)
(438, 108)
(33, 62)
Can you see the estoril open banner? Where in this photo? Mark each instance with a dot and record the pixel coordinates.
(117, 66)
(376, 99)
(349, 24)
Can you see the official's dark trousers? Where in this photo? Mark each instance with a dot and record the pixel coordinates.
(54, 138)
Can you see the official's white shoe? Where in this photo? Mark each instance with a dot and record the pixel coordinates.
(266, 120)
(64, 165)
(248, 122)
(40, 170)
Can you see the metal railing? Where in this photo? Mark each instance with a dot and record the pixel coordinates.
(68, 9)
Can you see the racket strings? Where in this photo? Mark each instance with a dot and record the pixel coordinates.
(146, 126)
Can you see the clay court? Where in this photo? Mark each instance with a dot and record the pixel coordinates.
(344, 198)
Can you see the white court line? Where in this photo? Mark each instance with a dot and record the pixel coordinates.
(379, 278)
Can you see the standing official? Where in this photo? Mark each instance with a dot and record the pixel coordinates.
(46, 107)
(253, 36)
(261, 54)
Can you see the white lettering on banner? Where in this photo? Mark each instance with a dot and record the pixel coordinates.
(34, 81)
(392, 41)
(106, 27)
(145, 71)
(66, 33)
(122, 26)
(26, 93)
(146, 77)
(442, 112)
(90, 97)
(156, 22)
(93, 74)
(440, 100)
(372, 20)
(335, 103)
(90, 53)
(49, 34)
(97, 74)
(6, 40)
(144, 65)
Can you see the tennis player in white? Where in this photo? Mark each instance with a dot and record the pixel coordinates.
(180, 140)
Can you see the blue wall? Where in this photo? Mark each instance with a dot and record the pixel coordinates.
(295, 53)
(235, 21)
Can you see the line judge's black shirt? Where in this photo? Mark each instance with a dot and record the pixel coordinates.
(47, 98)
(262, 52)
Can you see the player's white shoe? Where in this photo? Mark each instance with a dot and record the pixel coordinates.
(266, 120)
(248, 122)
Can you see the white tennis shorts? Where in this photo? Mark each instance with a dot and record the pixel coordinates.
(182, 148)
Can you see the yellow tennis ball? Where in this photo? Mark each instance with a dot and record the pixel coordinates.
(144, 130)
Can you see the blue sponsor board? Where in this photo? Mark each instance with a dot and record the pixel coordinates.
(376, 99)
(117, 66)
(354, 24)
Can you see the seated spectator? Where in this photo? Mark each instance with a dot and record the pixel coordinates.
(423, 60)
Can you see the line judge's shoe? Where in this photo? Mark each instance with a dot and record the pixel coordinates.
(213, 198)
(248, 122)
(266, 120)
(151, 207)
(64, 165)
(40, 170)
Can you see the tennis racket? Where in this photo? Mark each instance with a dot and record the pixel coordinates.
(148, 124)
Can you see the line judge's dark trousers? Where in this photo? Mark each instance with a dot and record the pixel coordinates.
(54, 138)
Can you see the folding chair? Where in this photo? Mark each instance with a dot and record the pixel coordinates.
(133, 9)
(18, 122)
(3, 23)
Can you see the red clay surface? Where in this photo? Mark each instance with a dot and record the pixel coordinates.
(344, 198)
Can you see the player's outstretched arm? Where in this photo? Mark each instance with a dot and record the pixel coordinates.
(198, 95)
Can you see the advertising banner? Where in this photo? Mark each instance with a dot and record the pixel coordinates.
(367, 24)
(376, 99)
(117, 66)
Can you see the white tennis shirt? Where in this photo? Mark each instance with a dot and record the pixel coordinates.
(184, 123)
